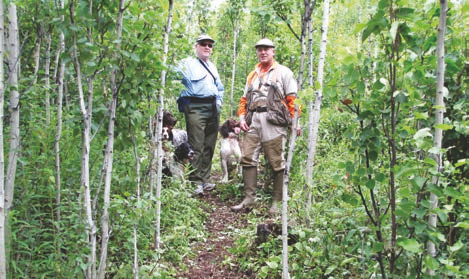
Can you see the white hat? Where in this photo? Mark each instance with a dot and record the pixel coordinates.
(265, 42)
(204, 37)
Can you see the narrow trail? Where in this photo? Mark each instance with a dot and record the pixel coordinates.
(221, 227)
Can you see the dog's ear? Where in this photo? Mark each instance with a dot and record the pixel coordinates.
(169, 119)
(224, 130)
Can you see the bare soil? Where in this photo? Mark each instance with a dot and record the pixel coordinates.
(221, 226)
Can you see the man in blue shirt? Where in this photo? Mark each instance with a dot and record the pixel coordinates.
(201, 102)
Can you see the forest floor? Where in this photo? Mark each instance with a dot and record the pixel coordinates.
(221, 226)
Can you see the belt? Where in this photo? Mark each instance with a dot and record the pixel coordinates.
(207, 100)
(259, 109)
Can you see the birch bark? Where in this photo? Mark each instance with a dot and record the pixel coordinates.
(137, 170)
(14, 69)
(60, 90)
(233, 73)
(291, 150)
(109, 151)
(85, 156)
(315, 118)
(13, 74)
(160, 125)
(439, 114)
(2, 162)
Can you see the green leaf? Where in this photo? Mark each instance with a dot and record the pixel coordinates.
(371, 184)
(378, 247)
(444, 127)
(373, 155)
(457, 246)
(463, 224)
(394, 28)
(419, 115)
(410, 245)
(272, 265)
(330, 269)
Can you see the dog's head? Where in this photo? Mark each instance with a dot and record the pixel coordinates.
(168, 133)
(168, 119)
(184, 153)
(230, 126)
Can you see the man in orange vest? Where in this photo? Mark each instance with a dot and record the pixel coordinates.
(260, 133)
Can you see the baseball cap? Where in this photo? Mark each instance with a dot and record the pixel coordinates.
(265, 42)
(204, 37)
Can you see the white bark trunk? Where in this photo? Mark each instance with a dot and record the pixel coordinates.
(37, 53)
(137, 170)
(109, 152)
(315, 118)
(311, 154)
(439, 114)
(85, 157)
(2, 162)
(233, 74)
(14, 66)
(310, 52)
(160, 126)
(13, 74)
(47, 78)
(60, 87)
(291, 150)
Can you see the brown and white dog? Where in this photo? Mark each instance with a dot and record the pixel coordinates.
(174, 163)
(169, 133)
(230, 152)
(176, 136)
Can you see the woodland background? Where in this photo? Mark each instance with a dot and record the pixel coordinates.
(83, 83)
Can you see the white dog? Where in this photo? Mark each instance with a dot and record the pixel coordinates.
(230, 152)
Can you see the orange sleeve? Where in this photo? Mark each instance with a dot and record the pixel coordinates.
(242, 107)
(291, 106)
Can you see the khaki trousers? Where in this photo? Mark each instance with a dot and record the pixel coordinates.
(266, 137)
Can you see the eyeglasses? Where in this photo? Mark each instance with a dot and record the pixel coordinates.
(206, 44)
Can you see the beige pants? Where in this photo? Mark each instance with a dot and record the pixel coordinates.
(267, 137)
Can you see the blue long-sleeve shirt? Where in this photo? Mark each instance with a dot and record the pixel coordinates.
(198, 81)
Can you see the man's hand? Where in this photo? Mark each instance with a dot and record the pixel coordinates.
(243, 125)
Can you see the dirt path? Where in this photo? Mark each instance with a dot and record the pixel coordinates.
(221, 226)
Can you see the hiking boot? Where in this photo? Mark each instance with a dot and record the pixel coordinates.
(208, 186)
(278, 191)
(250, 183)
(199, 191)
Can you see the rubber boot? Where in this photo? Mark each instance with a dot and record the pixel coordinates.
(250, 183)
(278, 192)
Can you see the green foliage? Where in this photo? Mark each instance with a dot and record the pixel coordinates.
(343, 220)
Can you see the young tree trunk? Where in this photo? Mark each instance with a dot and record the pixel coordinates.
(311, 154)
(37, 52)
(137, 170)
(315, 118)
(160, 125)
(14, 68)
(58, 135)
(291, 149)
(305, 21)
(439, 113)
(233, 73)
(47, 78)
(86, 145)
(13, 74)
(310, 52)
(109, 151)
(3, 261)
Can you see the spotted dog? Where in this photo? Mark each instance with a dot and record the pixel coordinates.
(175, 162)
(230, 151)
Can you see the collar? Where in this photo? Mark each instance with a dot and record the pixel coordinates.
(258, 67)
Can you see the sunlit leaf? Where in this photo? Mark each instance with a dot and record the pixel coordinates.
(410, 245)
